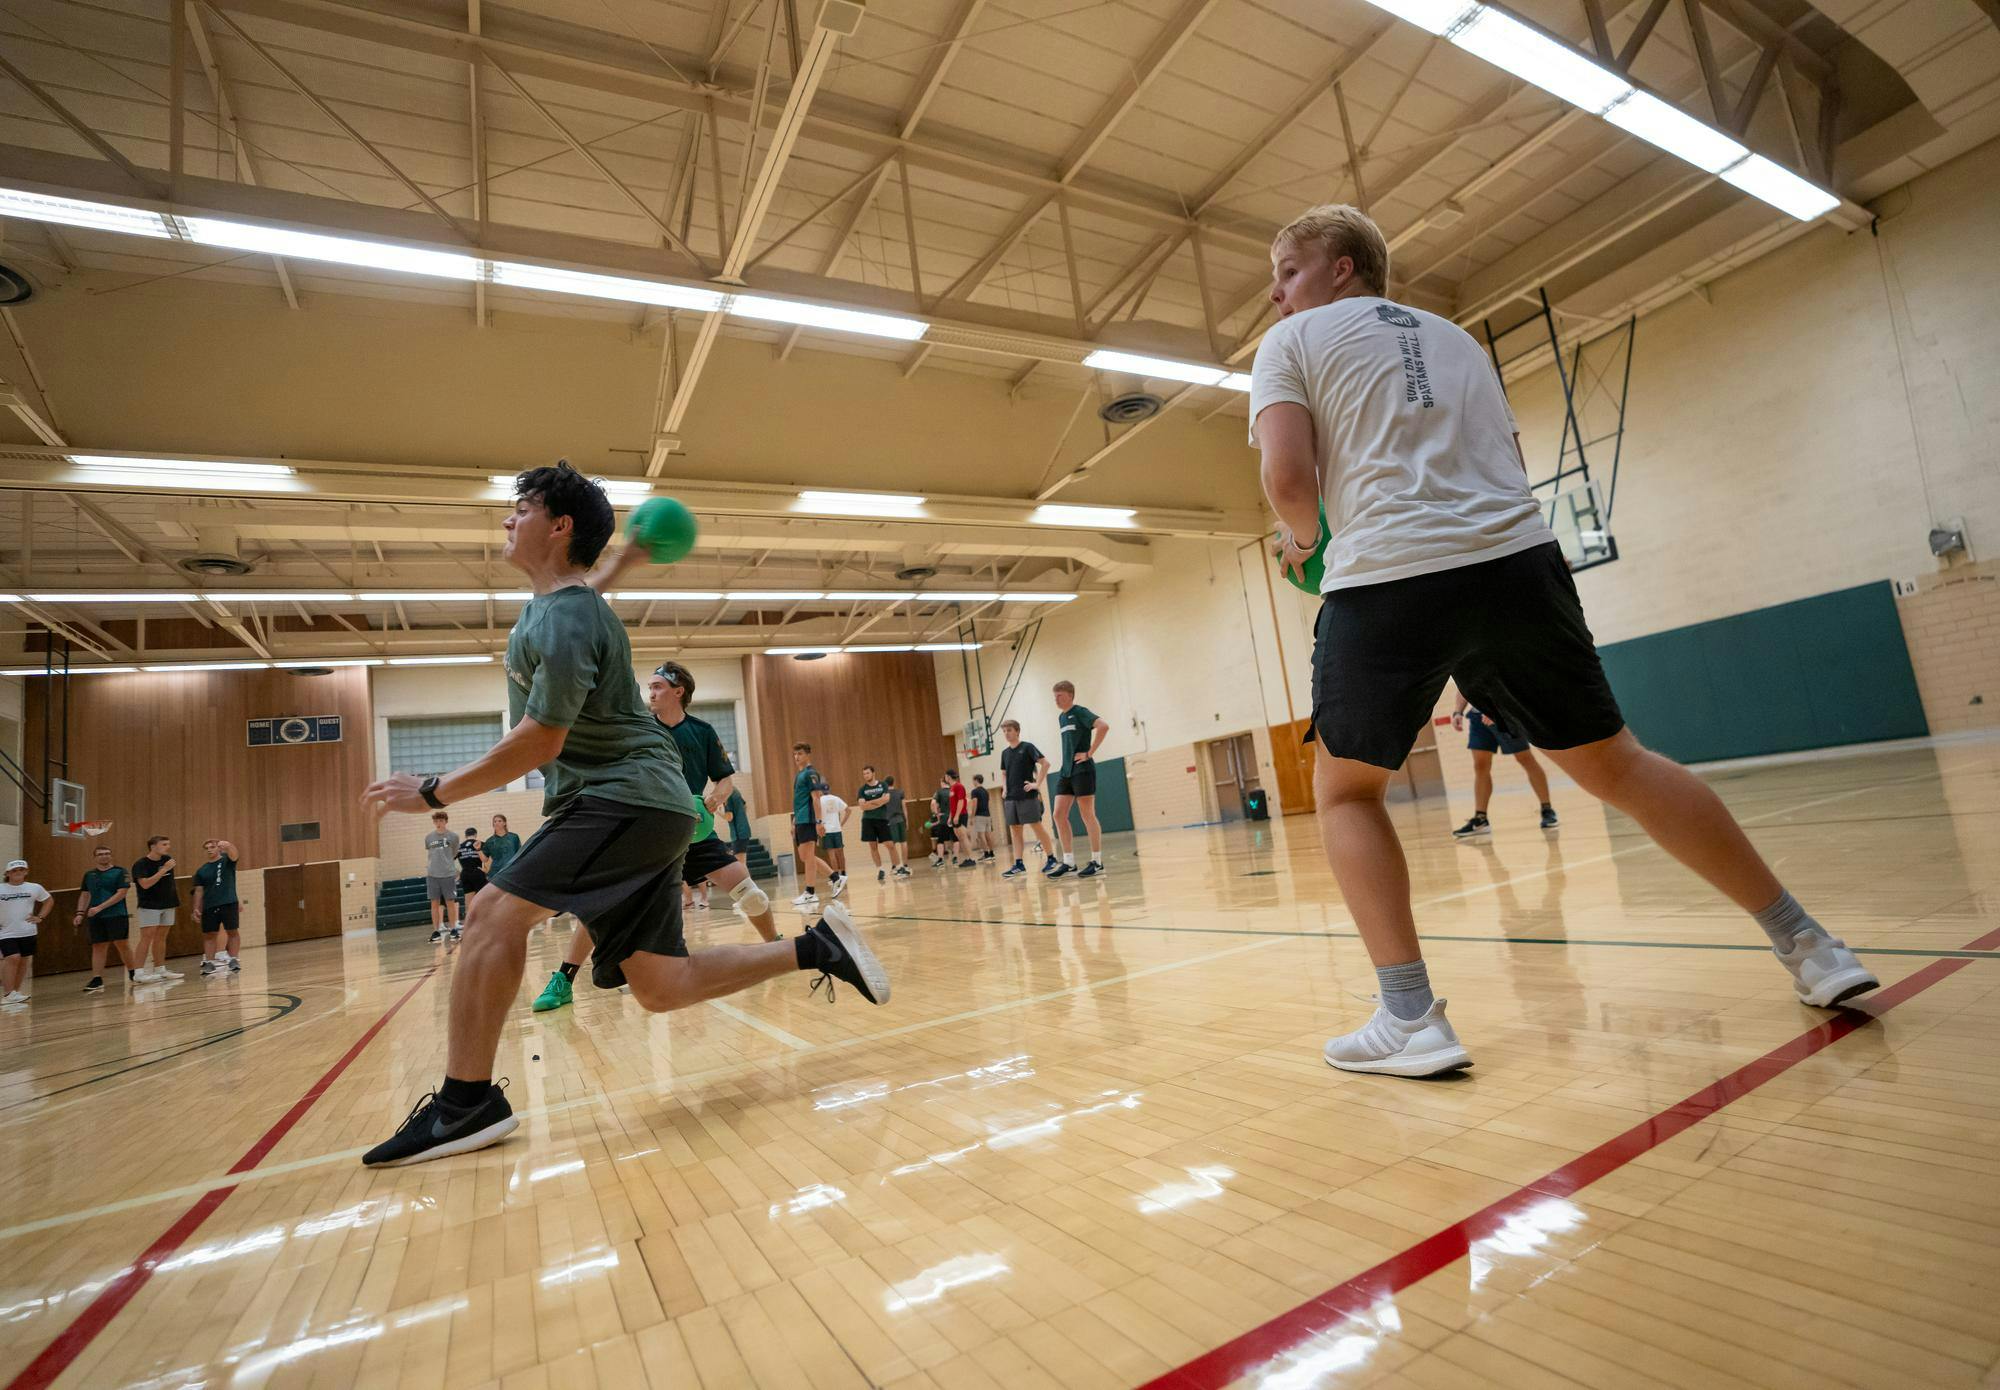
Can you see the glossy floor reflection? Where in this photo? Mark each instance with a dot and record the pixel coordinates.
(1092, 1140)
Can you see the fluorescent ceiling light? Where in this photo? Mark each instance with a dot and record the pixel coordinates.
(331, 661)
(511, 595)
(752, 306)
(279, 596)
(774, 595)
(948, 646)
(1433, 15)
(1533, 56)
(801, 651)
(10, 598)
(929, 596)
(149, 481)
(73, 671)
(1236, 381)
(156, 596)
(1165, 368)
(1781, 188)
(892, 504)
(457, 596)
(872, 595)
(1062, 514)
(203, 466)
(667, 595)
(75, 212)
(536, 277)
(906, 647)
(1673, 130)
(339, 250)
(440, 660)
(1038, 598)
(211, 666)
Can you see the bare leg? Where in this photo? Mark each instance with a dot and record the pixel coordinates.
(1063, 831)
(211, 942)
(1042, 836)
(1018, 838)
(485, 978)
(900, 852)
(808, 861)
(662, 983)
(1537, 778)
(98, 950)
(1087, 807)
(453, 906)
(726, 880)
(125, 955)
(235, 943)
(579, 946)
(11, 970)
(1681, 813)
(1366, 856)
(437, 915)
(1482, 780)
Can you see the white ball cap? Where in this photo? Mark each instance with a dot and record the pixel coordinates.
(16, 864)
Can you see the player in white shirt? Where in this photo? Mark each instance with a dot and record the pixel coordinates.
(833, 813)
(1440, 567)
(23, 906)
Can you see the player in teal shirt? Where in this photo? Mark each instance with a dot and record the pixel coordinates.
(1076, 780)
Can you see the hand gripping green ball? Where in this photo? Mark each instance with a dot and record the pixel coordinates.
(665, 527)
(1315, 568)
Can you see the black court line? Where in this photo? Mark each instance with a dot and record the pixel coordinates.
(290, 1005)
(1432, 936)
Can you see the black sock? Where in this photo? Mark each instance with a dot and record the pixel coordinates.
(463, 1095)
(569, 971)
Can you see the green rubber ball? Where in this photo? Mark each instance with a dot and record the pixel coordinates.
(665, 527)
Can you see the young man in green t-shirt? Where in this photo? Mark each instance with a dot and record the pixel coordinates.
(807, 788)
(102, 904)
(1076, 780)
(877, 802)
(216, 908)
(619, 819)
(712, 778)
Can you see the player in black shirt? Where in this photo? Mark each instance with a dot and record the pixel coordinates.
(1023, 769)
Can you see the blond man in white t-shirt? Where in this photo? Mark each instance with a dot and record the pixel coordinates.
(1440, 567)
(23, 907)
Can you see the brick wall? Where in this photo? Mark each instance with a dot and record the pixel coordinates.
(1952, 627)
(1165, 794)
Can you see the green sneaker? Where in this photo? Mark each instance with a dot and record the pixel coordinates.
(554, 995)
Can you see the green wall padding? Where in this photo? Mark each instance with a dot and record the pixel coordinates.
(1817, 673)
(1114, 800)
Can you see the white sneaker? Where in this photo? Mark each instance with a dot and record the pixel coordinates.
(1824, 971)
(15, 998)
(837, 887)
(160, 972)
(143, 975)
(805, 900)
(1393, 1046)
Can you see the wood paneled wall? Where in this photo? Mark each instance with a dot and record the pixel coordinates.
(879, 707)
(165, 754)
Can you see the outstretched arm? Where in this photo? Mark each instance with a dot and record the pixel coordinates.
(616, 563)
(1291, 480)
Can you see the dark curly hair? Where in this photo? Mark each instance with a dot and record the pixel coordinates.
(565, 492)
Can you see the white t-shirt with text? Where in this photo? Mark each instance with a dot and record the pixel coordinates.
(1417, 462)
(17, 905)
(831, 809)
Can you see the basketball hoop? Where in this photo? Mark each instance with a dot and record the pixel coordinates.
(86, 827)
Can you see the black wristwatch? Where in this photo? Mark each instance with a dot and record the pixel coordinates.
(428, 790)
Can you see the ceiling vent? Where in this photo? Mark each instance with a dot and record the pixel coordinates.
(1130, 409)
(216, 553)
(14, 287)
(914, 572)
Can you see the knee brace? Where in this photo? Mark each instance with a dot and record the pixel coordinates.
(751, 900)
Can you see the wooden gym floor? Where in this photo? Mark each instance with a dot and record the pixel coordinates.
(1091, 1142)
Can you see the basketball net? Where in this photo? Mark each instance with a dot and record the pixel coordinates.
(87, 827)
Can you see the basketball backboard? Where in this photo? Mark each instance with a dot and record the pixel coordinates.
(1577, 516)
(69, 808)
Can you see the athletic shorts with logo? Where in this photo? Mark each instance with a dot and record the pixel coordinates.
(618, 868)
(1510, 632)
(220, 916)
(1022, 810)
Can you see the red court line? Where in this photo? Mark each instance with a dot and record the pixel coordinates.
(70, 1343)
(1235, 1359)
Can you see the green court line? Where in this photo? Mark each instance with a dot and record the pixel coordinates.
(1436, 936)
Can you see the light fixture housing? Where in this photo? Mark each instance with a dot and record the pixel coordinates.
(668, 595)
(828, 316)
(209, 666)
(336, 250)
(893, 505)
(1532, 56)
(517, 275)
(440, 661)
(1066, 514)
(1038, 598)
(73, 671)
(156, 596)
(1671, 129)
(76, 212)
(871, 595)
(775, 595)
(279, 596)
(1164, 368)
(1781, 188)
(422, 596)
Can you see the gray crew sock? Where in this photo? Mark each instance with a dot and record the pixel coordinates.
(1784, 921)
(1406, 989)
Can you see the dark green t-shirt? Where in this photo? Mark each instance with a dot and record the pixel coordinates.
(569, 666)
(702, 757)
(1076, 724)
(873, 815)
(217, 882)
(101, 884)
(803, 786)
(502, 848)
(738, 811)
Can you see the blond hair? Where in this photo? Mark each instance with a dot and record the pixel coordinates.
(1344, 231)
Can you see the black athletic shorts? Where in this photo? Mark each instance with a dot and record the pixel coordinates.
(104, 929)
(618, 868)
(943, 834)
(1509, 631)
(705, 857)
(220, 916)
(804, 832)
(17, 945)
(1482, 737)
(874, 832)
(1080, 780)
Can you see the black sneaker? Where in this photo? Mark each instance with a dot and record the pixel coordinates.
(1549, 821)
(1059, 870)
(1015, 872)
(881, 875)
(968, 863)
(437, 935)
(1049, 865)
(848, 958)
(1478, 828)
(96, 985)
(988, 857)
(436, 1130)
(1092, 870)
(456, 933)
